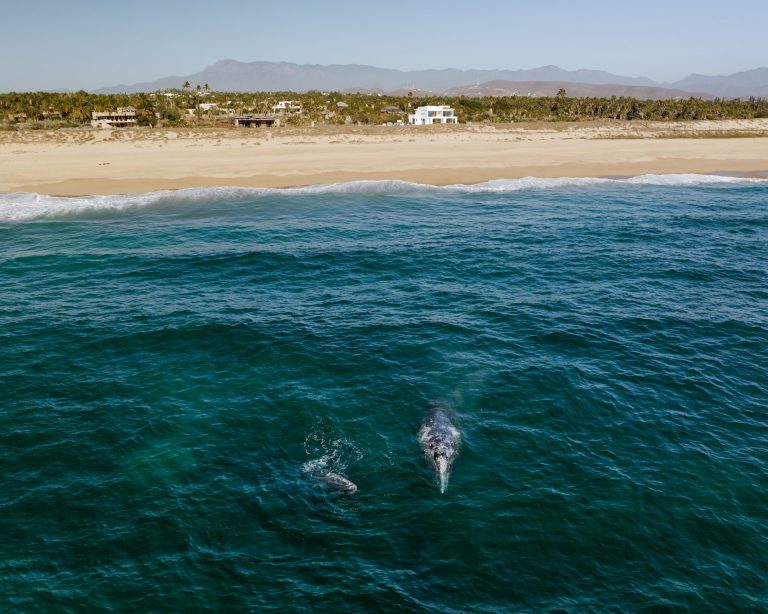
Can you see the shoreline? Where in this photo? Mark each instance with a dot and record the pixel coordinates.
(86, 162)
(131, 187)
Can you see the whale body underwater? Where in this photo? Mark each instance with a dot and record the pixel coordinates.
(440, 440)
(337, 483)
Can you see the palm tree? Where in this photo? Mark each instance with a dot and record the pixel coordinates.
(186, 85)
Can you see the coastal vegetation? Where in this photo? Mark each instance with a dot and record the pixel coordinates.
(183, 107)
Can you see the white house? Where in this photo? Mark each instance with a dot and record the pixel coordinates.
(287, 106)
(426, 116)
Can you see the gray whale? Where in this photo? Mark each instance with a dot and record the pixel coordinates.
(440, 440)
(337, 483)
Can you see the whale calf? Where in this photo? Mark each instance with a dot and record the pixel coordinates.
(440, 440)
(337, 483)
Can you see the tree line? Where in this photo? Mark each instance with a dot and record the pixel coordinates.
(171, 108)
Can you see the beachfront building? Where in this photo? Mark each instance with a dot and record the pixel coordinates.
(256, 121)
(426, 116)
(287, 106)
(122, 118)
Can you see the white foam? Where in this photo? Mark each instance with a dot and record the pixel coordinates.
(22, 206)
(686, 179)
(317, 465)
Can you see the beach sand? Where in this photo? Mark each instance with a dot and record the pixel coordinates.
(84, 161)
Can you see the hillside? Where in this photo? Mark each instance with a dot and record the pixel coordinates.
(581, 90)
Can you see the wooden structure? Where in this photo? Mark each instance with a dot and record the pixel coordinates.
(123, 117)
(256, 121)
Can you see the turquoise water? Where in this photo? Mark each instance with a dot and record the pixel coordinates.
(176, 369)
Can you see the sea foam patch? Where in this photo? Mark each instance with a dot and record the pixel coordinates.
(689, 179)
(25, 206)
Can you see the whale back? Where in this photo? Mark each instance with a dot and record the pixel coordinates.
(439, 433)
(338, 483)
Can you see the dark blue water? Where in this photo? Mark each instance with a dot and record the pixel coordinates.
(176, 370)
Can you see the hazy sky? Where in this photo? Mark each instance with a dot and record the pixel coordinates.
(85, 44)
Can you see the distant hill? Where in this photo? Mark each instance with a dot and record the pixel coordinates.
(234, 76)
(550, 88)
(738, 85)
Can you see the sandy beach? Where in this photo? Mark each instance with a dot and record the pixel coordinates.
(83, 161)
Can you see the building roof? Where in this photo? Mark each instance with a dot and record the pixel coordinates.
(435, 107)
(256, 117)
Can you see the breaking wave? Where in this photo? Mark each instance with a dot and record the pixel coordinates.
(24, 206)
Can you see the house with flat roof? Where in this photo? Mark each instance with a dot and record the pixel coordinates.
(256, 121)
(429, 115)
(121, 118)
(287, 106)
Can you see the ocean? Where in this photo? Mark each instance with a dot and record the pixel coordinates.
(178, 370)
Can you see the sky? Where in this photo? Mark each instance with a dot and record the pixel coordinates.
(78, 44)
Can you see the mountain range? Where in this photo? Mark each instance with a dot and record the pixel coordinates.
(579, 90)
(234, 76)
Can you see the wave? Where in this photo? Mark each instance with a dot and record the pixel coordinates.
(26, 206)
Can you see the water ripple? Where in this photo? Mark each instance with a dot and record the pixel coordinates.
(177, 368)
